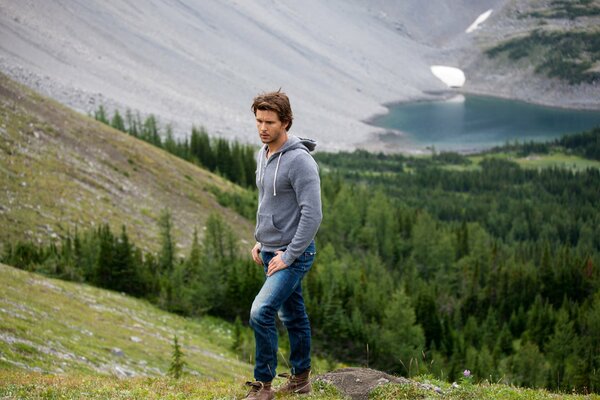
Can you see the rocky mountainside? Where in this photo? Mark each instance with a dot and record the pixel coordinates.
(568, 35)
(202, 62)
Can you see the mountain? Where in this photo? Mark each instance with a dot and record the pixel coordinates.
(53, 326)
(538, 51)
(61, 171)
(202, 62)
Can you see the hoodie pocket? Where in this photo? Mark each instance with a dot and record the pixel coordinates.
(266, 231)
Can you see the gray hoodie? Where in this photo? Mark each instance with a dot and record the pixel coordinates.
(289, 198)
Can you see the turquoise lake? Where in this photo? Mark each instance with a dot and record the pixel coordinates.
(478, 123)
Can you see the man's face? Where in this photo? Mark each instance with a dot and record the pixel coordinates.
(270, 128)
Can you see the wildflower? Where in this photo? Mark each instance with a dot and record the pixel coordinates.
(466, 373)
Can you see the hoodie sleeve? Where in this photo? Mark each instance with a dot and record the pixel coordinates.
(304, 178)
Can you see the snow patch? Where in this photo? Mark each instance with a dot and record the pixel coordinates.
(451, 76)
(479, 20)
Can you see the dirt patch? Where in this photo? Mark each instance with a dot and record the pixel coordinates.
(357, 383)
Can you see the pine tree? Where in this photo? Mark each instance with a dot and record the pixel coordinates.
(177, 361)
(200, 147)
(236, 346)
(167, 252)
(428, 317)
(100, 115)
(150, 131)
(237, 173)
(125, 271)
(462, 241)
(117, 122)
(104, 271)
(401, 340)
(562, 351)
(249, 162)
(224, 159)
(169, 144)
(131, 123)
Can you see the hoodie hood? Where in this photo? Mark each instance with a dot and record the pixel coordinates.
(295, 142)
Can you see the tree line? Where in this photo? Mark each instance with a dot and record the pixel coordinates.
(211, 278)
(234, 161)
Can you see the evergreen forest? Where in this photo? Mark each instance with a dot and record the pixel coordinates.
(422, 267)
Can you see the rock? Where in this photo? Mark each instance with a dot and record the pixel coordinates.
(135, 339)
(117, 352)
(357, 383)
(382, 381)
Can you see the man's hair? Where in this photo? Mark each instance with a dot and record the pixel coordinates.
(277, 102)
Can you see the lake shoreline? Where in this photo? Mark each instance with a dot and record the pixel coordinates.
(389, 139)
(443, 95)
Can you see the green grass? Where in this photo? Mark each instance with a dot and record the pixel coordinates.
(66, 340)
(468, 391)
(53, 326)
(555, 159)
(64, 335)
(20, 385)
(560, 160)
(31, 385)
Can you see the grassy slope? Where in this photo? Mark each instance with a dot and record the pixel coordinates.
(60, 170)
(67, 340)
(53, 326)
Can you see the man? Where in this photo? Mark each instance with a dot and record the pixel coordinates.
(287, 220)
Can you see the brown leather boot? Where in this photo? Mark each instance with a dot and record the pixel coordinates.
(299, 384)
(260, 391)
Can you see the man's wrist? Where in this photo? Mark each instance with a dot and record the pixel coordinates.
(285, 257)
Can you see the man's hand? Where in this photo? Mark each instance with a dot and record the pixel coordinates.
(276, 264)
(256, 254)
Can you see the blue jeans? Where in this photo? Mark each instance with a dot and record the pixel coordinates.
(281, 294)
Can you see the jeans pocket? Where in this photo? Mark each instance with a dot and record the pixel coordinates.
(304, 261)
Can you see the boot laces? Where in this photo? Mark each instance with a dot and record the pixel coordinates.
(293, 382)
(255, 386)
(290, 377)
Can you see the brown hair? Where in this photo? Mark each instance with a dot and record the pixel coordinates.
(277, 102)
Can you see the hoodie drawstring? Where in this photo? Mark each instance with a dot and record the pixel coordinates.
(275, 178)
(261, 174)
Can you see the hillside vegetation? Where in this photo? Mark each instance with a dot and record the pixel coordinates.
(564, 45)
(62, 171)
(66, 340)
